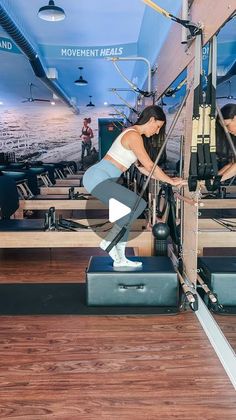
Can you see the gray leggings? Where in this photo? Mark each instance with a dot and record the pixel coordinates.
(110, 189)
(107, 188)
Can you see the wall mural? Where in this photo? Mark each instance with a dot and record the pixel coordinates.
(46, 133)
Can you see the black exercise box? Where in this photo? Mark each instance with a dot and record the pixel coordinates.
(219, 273)
(155, 284)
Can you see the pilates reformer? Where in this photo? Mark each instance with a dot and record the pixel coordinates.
(38, 233)
(27, 182)
(62, 190)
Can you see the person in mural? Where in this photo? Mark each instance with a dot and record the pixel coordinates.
(101, 179)
(226, 162)
(86, 135)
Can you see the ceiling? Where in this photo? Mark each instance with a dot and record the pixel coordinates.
(89, 24)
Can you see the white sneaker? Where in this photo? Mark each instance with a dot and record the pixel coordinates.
(123, 261)
(113, 252)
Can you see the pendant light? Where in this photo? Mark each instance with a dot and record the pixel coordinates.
(51, 12)
(81, 81)
(90, 102)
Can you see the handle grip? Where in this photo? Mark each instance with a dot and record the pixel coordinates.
(131, 286)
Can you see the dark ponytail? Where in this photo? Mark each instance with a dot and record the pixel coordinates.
(154, 144)
(228, 111)
(223, 149)
(151, 111)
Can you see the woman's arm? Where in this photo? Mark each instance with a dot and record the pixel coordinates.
(225, 168)
(143, 170)
(135, 143)
(90, 132)
(230, 172)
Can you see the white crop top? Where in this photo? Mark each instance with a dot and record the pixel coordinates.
(122, 155)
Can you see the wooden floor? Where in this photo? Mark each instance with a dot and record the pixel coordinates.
(80, 367)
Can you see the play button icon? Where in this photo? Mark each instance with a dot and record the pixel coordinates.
(101, 215)
(117, 210)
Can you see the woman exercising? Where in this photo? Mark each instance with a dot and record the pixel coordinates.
(86, 135)
(229, 114)
(101, 179)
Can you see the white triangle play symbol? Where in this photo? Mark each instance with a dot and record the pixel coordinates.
(117, 210)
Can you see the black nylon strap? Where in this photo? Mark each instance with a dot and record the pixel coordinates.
(207, 162)
(200, 161)
(162, 200)
(192, 179)
(204, 108)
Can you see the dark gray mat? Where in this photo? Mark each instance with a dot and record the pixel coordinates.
(62, 299)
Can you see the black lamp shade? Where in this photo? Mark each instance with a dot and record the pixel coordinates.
(51, 12)
(90, 104)
(81, 81)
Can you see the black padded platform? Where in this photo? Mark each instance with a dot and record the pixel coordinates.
(219, 273)
(24, 225)
(155, 284)
(9, 200)
(55, 197)
(21, 175)
(49, 168)
(18, 176)
(50, 197)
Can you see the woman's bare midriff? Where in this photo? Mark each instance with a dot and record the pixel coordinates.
(117, 164)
